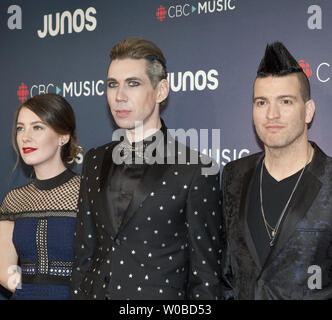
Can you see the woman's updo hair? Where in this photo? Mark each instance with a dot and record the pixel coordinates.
(56, 112)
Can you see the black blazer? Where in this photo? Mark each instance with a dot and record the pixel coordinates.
(305, 238)
(168, 248)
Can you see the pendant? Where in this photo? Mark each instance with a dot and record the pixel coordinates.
(273, 234)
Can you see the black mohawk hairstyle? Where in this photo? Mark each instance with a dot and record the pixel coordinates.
(277, 61)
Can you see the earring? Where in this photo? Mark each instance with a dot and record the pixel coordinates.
(61, 143)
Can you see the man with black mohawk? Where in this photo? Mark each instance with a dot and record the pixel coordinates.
(277, 206)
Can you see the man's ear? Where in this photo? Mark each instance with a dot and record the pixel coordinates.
(162, 90)
(309, 110)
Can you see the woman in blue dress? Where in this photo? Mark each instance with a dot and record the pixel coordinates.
(37, 221)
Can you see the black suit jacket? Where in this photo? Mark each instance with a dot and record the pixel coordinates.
(305, 238)
(169, 247)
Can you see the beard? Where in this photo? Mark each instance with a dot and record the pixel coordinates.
(281, 140)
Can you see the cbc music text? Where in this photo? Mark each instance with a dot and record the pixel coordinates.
(167, 309)
(206, 7)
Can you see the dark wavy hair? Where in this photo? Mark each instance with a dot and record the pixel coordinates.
(56, 112)
(278, 62)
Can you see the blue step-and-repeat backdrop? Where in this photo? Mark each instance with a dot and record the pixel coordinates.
(213, 48)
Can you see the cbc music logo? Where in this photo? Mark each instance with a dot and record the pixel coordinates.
(66, 89)
(202, 7)
(306, 68)
(323, 70)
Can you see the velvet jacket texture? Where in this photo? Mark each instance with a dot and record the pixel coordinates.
(304, 241)
(168, 247)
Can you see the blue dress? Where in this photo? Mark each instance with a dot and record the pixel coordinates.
(44, 214)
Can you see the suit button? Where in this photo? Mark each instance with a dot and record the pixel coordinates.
(118, 242)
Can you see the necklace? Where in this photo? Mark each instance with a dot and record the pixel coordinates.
(127, 149)
(272, 232)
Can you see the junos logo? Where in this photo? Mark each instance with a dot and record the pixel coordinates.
(200, 80)
(66, 22)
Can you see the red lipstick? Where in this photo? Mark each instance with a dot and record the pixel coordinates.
(28, 150)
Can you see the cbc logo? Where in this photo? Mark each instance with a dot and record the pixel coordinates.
(174, 11)
(179, 11)
(306, 68)
(44, 88)
(322, 71)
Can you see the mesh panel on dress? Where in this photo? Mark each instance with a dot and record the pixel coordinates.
(31, 199)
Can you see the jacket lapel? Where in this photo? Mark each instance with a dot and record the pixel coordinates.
(106, 165)
(103, 185)
(244, 202)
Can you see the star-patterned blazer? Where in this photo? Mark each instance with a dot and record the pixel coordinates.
(303, 244)
(170, 244)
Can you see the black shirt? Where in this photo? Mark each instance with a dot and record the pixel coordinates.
(275, 197)
(124, 178)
